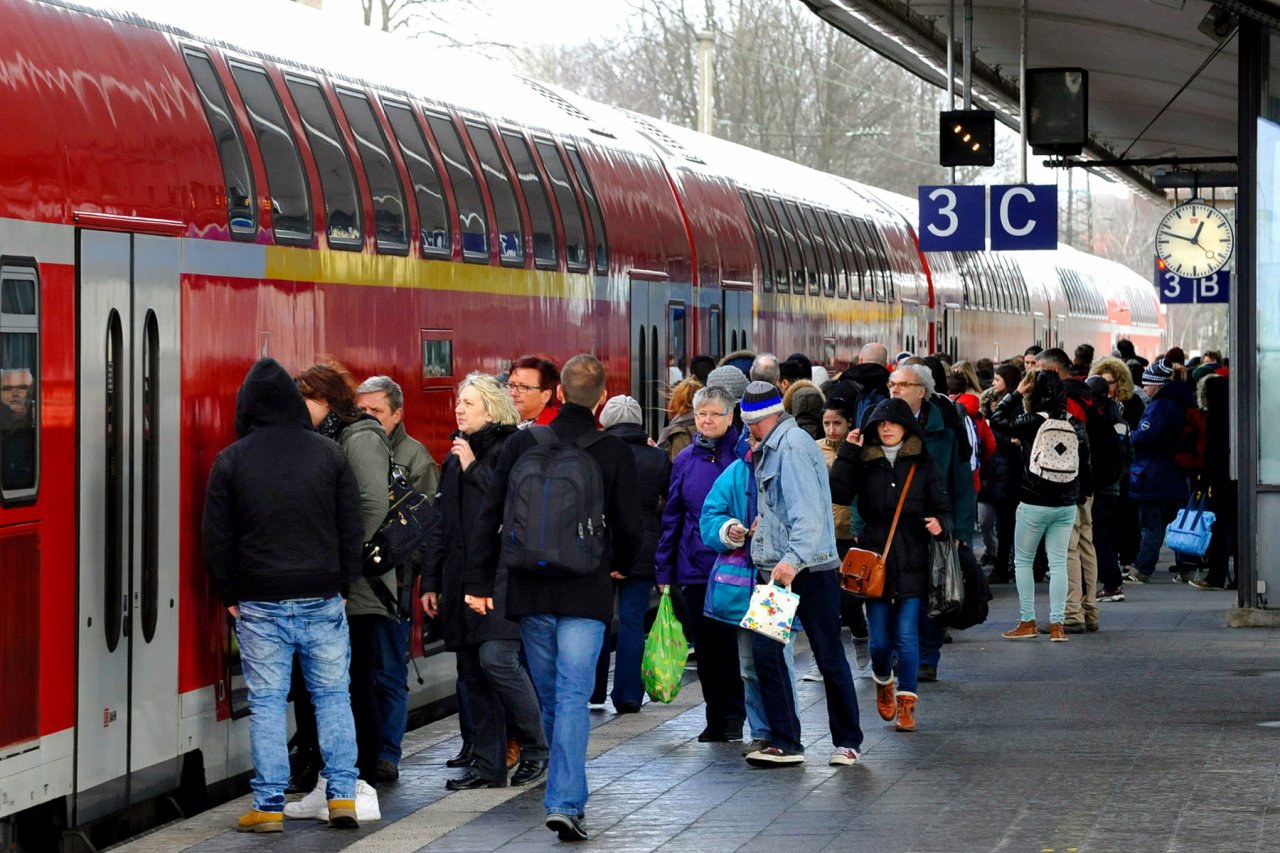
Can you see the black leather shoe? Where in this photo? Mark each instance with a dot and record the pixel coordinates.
(386, 771)
(471, 780)
(710, 735)
(464, 756)
(528, 772)
(627, 707)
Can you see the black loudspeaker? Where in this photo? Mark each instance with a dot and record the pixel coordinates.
(1057, 110)
(967, 138)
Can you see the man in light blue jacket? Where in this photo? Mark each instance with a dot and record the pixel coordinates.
(795, 543)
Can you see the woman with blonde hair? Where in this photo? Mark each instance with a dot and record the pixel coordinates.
(972, 385)
(487, 648)
(681, 423)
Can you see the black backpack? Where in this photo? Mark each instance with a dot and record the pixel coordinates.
(553, 523)
(973, 608)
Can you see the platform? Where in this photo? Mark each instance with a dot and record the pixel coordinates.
(1159, 733)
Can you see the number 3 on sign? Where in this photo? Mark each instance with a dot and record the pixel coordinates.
(1172, 286)
(947, 210)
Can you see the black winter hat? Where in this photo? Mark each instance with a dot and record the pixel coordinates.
(896, 411)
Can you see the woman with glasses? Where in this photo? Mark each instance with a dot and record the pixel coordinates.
(498, 688)
(684, 560)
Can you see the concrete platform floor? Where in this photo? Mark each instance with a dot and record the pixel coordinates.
(1159, 733)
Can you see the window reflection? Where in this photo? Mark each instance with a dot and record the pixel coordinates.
(19, 384)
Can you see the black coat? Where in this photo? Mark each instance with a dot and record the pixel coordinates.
(588, 597)
(866, 474)
(1002, 473)
(653, 475)
(458, 503)
(282, 511)
(1012, 420)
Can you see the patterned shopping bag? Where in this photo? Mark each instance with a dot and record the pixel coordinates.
(772, 610)
(665, 653)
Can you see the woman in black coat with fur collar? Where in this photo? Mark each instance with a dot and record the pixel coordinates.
(875, 473)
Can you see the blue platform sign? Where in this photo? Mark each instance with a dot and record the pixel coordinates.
(952, 219)
(1176, 290)
(1024, 216)
(960, 219)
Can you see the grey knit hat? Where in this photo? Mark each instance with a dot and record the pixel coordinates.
(730, 379)
(620, 410)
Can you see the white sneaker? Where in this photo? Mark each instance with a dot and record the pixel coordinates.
(844, 758)
(366, 802)
(812, 675)
(313, 805)
(316, 804)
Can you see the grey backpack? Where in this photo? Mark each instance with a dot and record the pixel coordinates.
(553, 522)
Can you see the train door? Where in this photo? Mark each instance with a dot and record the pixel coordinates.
(1037, 329)
(947, 340)
(660, 327)
(738, 320)
(128, 419)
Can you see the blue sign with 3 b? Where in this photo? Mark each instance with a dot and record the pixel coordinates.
(1176, 290)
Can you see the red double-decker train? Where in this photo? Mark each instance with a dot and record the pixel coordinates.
(181, 194)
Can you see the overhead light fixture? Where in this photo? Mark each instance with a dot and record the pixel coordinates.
(967, 138)
(1219, 23)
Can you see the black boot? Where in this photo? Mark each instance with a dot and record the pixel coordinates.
(464, 756)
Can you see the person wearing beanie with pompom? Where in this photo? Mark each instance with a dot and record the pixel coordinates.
(795, 545)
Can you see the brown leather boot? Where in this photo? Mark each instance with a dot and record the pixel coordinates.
(513, 753)
(884, 697)
(1057, 634)
(906, 711)
(1022, 631)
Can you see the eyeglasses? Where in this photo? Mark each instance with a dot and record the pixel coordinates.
(893, 385)
(513, 387)
(705, 415)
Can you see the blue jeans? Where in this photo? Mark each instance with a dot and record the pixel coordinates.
(893, 628)
(757, 722)
(633, 602)
(270, 632)
(820, 609)
(393, 687)
(562, 652)
(1053, 524)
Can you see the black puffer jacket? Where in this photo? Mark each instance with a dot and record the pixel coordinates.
(865, 473)
(653, 475)
(1011, 419)
(461, 493)
(282, 512)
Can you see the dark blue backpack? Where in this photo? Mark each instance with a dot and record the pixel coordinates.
(553, 522)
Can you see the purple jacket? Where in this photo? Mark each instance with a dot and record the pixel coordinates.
(681, 557)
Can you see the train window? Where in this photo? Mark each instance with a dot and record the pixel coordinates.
(677, 337)
(433, 212)
(474, 222)
(242, 214)
(390, 220)
(113, 557)
(344, 226)
(715, 346)
(286, 181)
(19, 384)
(795, 269)
(437, 358)
(571, 217)
(888, 264)
(593, 209)
(150, 475)
(762, 244)
(862, 243)
(777, 253)
(542, 221)
(875, 263)
(806, 249)
(824, 250)
(505, 208)
(857, 254)
(840, 251)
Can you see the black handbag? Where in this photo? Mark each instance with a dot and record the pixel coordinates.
(946, 578)
(410, 518)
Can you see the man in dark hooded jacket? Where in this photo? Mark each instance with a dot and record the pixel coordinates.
(863, 384)
(282, 537)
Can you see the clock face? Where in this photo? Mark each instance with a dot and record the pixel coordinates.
(1195, 240)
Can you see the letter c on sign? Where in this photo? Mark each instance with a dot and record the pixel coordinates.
(1005, 224)
(948, 210)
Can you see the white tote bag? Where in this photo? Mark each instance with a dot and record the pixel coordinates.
(772, 611)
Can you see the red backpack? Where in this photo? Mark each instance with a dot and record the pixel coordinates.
(1188, 454)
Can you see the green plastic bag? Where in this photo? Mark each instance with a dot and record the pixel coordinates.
(665, 654)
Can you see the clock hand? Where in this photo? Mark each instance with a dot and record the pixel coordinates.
(1195, 238)
(1179, 236)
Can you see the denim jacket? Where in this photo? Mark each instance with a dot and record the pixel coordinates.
(795, 526)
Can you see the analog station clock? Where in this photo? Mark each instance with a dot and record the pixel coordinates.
(1195, 240)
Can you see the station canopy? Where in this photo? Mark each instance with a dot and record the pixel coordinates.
(1139, 54)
